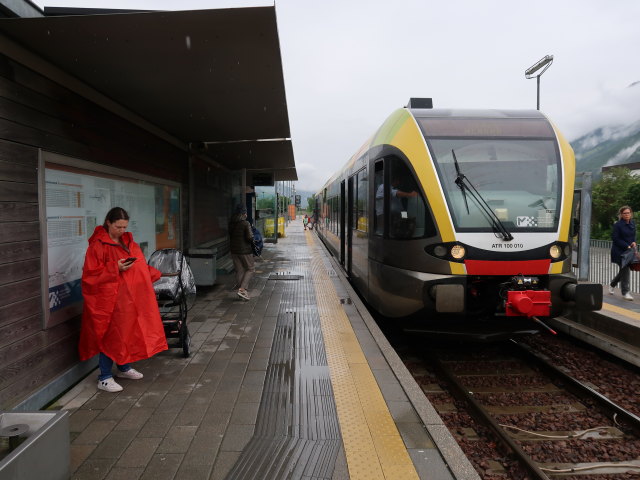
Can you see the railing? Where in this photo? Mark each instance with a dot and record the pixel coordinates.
(601, 270)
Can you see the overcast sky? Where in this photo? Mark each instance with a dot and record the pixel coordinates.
(349, 64)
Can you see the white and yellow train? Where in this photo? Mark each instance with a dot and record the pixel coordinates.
(462, 212)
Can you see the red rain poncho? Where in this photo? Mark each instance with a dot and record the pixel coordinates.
(120, 316)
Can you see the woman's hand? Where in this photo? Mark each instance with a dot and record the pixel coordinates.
(123, 265)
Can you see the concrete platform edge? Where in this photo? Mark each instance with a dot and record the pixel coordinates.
(453, 455)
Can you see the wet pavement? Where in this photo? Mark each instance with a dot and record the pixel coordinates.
(256, 398)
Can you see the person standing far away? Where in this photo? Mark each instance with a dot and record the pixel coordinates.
(305, 221)
(120, 318)
(624, 239)
(240, 240)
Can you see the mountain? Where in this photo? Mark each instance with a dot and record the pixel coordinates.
(606, 146)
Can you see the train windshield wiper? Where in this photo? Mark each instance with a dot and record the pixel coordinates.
(467, 187)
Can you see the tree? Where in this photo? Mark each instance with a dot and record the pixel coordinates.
(265, 203)
(616, 188)
(633, 197)
(311, 203)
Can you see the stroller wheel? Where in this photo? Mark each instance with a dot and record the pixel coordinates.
(185, 340)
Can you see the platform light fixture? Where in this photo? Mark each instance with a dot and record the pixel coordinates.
(537, 70)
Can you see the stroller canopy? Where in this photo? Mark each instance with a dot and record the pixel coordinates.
(177, 280)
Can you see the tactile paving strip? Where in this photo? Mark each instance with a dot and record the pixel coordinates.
(372, 443)
(297, 434)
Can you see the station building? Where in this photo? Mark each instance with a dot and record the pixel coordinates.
(174, 116)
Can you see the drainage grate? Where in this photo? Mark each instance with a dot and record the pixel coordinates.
(283, 276)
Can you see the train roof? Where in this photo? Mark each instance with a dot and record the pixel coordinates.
(449, 113)
(473, 113)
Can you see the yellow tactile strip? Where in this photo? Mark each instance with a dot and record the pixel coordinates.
(372, 443)
(622, 311)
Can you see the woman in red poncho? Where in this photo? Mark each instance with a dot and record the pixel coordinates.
(120, 320)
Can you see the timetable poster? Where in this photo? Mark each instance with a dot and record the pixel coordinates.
(76, 204)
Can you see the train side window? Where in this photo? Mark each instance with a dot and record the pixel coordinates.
(408, 213)
(378, 209)
(360, 207)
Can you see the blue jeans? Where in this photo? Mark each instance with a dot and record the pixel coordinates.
(105, 364)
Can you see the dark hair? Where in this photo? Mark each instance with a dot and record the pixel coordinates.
(115, 214)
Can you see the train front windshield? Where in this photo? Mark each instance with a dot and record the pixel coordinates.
(512, 164)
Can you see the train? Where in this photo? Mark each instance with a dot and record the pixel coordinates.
(458, 214)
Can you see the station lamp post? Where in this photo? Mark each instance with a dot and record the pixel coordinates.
(537, 70)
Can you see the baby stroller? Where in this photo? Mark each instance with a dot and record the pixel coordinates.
(176, 294)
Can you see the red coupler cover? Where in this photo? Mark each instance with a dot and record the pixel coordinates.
(528, 303)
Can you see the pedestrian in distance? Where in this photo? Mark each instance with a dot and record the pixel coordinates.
(120, 318)
(623, 250)
(305, 221)
(241, 241)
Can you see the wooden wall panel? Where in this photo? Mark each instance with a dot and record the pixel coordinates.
(10, 211)
(14, 252)
(88, 132)
(14, 172)
(46, 364)
(17, 291)
(17, 154)
(16, 271)
(16, 331)
(18, 192)
(19, 310)
(36, 113)
(19, 231)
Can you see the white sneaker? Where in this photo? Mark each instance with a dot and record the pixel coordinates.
(612, 290)
(131, 374)
(627, 296)
(109, 385)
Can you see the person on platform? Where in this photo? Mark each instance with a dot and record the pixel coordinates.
(624, 241)
(120, 319)
(305, 221)
(240, 241)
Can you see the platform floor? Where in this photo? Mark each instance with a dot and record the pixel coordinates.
(297, 382)
(615, 328)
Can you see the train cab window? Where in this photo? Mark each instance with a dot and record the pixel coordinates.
(402, 203)
(517, 178)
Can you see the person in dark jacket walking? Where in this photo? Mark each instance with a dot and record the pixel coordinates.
(241, 238)
(624, 238)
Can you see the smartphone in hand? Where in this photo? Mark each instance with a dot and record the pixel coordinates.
(129, 260)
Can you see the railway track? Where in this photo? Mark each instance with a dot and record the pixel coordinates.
(534, 419)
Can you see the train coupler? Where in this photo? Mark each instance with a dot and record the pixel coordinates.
(528, 303)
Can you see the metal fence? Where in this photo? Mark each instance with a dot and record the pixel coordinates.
(601, 270)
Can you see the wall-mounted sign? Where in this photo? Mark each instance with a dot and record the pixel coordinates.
(76, 202)
(260, 179)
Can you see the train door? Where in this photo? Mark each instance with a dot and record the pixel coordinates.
(343, 229)
(376, 242)
(349, 226)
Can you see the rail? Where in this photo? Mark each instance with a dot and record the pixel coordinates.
(601, 270)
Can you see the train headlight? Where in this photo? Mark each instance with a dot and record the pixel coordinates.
(458, 252)
(555, 251)
(440, 251)
(567, 250)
